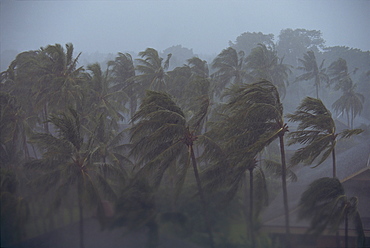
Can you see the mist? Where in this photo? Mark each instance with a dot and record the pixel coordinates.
(204, 26)
(185, 123)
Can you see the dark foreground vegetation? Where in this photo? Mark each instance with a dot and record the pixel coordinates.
(193, 151)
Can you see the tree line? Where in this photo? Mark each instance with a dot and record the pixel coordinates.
(127, 132)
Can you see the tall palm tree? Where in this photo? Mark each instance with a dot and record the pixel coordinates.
(325, 204)
(162, 137)
(265, 114)
(59, 80)
(316, 130)
(67, 160)
(258, 109)
(152, 70)
(312, 71)
(229, 66)
(20, 80)
(264, 63)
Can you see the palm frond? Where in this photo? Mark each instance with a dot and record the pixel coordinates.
(349, 132)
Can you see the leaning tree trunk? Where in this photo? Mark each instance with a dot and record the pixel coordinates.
(285, 191)
(201, 194)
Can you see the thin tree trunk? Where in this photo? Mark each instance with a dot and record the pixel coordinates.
(46, 124)
(251, 199)
(285, 191)
(202, 198)
(317, 91)
(334, 163)
(80, 208)
(348, 122)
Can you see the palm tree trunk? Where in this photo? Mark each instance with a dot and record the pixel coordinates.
(334, 163)
(202, 198)
(251, 200)
(80, 208)
(317, 90)
(46, 124)
(285, 191)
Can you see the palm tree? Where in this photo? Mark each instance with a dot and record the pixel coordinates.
(103, 96)
(123, 74)
(350, 102)
(179, 79)
(59, 84)
(110, 154)
(265, 103)
(312, 71)
(20, 81)
(316, 130)
(229, 66)
(152, 70)
(338, 73)
(264, 63)
(14, 129)
(68, 160)
(191, 84)
(162, 137)
(324, 203)
(198, 67)
(258, 109)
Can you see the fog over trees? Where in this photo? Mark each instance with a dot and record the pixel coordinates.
(184, 148)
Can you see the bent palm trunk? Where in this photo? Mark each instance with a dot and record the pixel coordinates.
(285, 191)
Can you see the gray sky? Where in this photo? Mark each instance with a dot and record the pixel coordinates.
(204, 26)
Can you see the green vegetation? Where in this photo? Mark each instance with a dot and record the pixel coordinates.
(76, 138)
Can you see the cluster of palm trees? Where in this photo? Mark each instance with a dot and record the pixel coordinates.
(131, 130)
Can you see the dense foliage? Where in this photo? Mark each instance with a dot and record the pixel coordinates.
(78, 139)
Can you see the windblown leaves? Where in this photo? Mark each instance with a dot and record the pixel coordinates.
(325, 204)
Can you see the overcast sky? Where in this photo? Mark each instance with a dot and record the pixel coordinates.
(204, 26)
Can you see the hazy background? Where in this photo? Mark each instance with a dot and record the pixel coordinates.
(204, 26)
